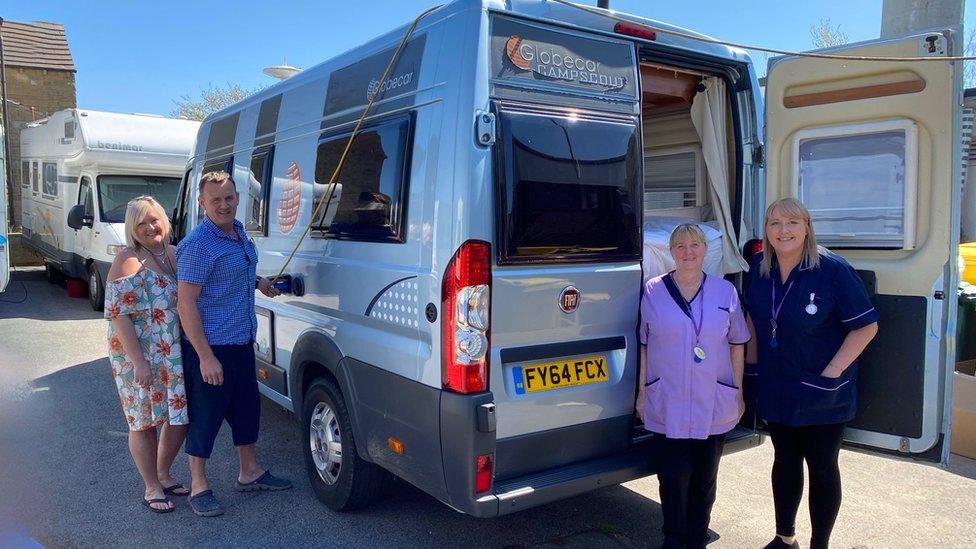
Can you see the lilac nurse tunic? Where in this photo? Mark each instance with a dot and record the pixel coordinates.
(685, 398)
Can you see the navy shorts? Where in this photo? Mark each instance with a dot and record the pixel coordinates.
(237, 401)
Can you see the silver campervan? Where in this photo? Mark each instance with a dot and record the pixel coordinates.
(463, 310)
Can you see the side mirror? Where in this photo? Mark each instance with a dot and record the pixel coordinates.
(77, 218)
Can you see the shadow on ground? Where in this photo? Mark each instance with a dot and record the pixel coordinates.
(29, 295)
(74, 485)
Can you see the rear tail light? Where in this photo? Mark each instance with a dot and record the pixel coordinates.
(636, 31)
(465, 326)
(482, 473)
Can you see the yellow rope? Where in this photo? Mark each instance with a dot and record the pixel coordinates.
(709, 40)
(327, 197)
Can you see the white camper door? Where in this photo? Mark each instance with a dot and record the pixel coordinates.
(872, 148)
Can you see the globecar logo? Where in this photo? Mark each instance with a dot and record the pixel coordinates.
(375, 88)
(563, 66)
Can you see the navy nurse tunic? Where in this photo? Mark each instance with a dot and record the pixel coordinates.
(791, 390)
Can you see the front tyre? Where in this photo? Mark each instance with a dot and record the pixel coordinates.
(96, 288)
(341, 479)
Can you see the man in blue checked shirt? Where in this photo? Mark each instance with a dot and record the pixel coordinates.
(217, 266)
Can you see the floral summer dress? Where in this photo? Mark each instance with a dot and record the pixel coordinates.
(149, 298)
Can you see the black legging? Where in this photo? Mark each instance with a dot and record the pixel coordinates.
(819, 445)
(687, 475)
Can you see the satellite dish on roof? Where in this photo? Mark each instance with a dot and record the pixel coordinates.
(281, 72)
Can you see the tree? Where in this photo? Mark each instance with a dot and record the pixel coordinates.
(825, 35)
(212, 99)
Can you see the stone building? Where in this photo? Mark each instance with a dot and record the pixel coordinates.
(40, 77)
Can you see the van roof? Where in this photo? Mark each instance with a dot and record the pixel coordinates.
(154, 134)
(557, 14)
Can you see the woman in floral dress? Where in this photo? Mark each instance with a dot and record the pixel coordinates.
(144, 348)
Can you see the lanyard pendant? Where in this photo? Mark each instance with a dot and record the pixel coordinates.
(772, 339)
(699, 354)
(811, 308)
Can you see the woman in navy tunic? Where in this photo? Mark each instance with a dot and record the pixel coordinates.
(812, 318)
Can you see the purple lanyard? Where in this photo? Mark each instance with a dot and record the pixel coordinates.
(701, 312)
(774, 309)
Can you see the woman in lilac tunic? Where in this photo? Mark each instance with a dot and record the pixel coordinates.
(692, 335)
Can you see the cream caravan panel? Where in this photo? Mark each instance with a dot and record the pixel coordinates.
(805, 94)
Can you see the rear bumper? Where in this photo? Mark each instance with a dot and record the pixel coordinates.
(516, 494)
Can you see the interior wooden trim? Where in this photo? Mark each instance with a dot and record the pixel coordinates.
(853, 94)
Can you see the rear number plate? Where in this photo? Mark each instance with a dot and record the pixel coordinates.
(546, 376)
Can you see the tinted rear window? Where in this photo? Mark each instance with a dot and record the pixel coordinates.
(568, 188)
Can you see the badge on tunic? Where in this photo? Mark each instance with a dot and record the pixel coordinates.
(811, 308)
(699, 354)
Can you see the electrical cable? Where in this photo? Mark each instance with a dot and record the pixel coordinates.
(15, 301)
(710, 40)
(326, 198)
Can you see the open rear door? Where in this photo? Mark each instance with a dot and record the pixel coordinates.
(873, 148)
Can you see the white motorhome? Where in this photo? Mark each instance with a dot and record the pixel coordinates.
(81, 167)
(463, 313)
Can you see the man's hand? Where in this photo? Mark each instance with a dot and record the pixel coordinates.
(211, 371)
(141, 373)
(267, 288)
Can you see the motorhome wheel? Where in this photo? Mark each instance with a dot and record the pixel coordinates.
(96, 290)
(341, 479)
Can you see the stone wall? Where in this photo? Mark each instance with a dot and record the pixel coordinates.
(47, 91)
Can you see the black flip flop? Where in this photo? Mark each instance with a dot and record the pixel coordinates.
(172, 490)
(149, 502)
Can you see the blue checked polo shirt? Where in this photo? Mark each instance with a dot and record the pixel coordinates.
(226, 268)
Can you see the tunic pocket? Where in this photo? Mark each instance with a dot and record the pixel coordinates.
(824, 396)
(654, 406)
(726, 408)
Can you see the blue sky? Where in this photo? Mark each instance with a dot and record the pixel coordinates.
(140, 56)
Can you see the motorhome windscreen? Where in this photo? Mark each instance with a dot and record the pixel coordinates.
(568, 187)
(115, 192)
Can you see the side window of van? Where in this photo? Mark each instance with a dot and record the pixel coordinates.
(25, 174)
(182, 209)
(35, 177)
(50, 179)
(220, 145)
(369, 198)
(85, 197)
(258, 180)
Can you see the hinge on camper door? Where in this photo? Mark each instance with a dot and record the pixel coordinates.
(484, 128)
(758, 154)
(932, 45)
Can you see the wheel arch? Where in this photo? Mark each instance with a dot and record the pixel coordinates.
(317, 356)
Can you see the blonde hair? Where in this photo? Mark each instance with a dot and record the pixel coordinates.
(690, 230)
(135, 211)
(792, 208)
